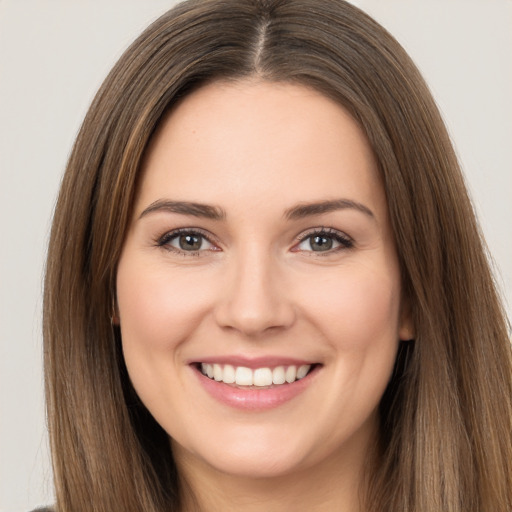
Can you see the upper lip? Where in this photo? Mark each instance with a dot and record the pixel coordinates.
(253, 362)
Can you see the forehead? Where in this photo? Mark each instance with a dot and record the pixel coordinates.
(260, 141)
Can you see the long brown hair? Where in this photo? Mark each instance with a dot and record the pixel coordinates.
(446, 417)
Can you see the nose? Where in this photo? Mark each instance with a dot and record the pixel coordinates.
(255, 298)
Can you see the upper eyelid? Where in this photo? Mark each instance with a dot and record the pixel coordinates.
(199, 231)
(322, 230)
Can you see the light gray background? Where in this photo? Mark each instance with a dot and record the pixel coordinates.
(54, 55)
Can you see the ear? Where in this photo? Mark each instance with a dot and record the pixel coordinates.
(406, 330)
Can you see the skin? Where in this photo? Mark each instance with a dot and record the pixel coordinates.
(257, 150)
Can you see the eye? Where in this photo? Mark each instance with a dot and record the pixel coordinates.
(324, 240)
(185, 241)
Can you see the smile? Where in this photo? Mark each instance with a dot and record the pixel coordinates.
(255, 385)
(259, 377)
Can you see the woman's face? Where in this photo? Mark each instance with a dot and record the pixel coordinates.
(260, 253)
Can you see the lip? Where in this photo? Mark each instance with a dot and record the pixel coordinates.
(252, 398)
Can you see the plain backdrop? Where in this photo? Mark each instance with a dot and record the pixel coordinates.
(54, 55)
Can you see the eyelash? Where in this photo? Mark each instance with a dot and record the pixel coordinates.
(165, 240)
(345, 241)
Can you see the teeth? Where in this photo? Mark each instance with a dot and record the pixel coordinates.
(303, 371)
(217, 372)
(278, 375)
(207, 369)
(229, 374)
(243, 376)
(291, 374)
(260, 377)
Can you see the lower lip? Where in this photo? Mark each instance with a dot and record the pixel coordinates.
(255, 399)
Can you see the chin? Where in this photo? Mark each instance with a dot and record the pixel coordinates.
(257, 458)
(259, 467)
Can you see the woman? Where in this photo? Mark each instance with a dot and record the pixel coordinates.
(266, 287)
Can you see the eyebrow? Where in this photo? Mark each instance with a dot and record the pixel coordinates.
(216, 213)
(309, 209)
(185, 208)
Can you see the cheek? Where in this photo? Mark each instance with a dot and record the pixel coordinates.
(159, 310)
(354, 307)
(357, 312)
(157, 307)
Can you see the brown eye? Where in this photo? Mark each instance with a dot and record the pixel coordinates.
(185, 241)
(190, 242)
